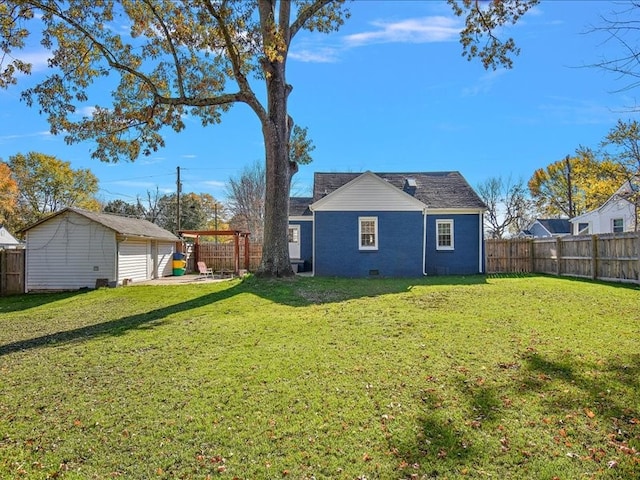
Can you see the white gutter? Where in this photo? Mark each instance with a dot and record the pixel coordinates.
(480, 242)
(424, 242)
(313, 244)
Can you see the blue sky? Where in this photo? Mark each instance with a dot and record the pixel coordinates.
(389, 92)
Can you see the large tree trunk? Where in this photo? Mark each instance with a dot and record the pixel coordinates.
(275, 250)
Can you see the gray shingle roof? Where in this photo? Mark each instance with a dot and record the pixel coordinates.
(129, 227)
(299, 206)
(434, 189)
(556, 225)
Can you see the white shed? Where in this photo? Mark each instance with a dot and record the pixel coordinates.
(76, 248)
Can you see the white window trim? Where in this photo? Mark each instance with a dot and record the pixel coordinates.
(444, 247)
(375, 223)
(582, 231)
(613, 225)
(296, 235)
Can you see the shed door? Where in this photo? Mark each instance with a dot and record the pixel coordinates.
(164, 259)
(294, 241)
(133, 260)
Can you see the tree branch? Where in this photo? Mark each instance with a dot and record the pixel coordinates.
(246, 94)
(106, 53)
(174, 54)
(305, 15)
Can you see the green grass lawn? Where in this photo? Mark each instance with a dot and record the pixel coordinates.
(514, 377)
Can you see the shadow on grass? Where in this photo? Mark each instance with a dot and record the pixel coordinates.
(607, 391)
(295, 292)
(115, 327)
(22, 302)
(321, 290)
(625, 285)
(599, 391)
(630, 285)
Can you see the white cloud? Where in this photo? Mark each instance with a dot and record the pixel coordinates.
(485, 83)
(134, 184)
(44, 135)
(578, 112)
(86, 111)
(38, 59)
(321, 55)
(214, 183)
(151, 161)
(430, 29)
(413, 30)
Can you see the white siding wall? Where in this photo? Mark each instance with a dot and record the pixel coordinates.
(134, 260)
(617, 209)
(369, 193)
(601, 220)
(69, 252)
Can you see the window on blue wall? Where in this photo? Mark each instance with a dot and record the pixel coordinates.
(368, 233)
(444, 231)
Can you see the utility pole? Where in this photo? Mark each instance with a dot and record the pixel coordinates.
(178, 190)
(567, 161)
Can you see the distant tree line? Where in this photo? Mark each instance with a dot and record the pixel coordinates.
(567, 187)
(34, 185)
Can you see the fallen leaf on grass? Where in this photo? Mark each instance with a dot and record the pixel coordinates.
(589, 413)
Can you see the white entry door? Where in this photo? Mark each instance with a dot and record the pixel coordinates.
(294, 241)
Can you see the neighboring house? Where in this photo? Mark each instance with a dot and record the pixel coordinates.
(547, 227)
(75, 248)
(7, 240)
(616, 215)
(388, 225)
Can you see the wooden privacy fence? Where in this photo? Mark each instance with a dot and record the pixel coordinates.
(610, 257)
(11, 271)
(221, 256)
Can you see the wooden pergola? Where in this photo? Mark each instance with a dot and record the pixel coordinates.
(237, 235)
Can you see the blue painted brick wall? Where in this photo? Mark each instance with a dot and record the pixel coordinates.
(465, 257)
(399, 251)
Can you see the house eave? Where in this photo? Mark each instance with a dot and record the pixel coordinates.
(455, 211)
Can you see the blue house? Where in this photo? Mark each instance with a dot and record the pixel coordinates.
(388, 225)
(547, 227)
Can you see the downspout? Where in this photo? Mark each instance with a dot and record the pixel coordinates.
(313, 244)
(481, 242)
(424, 242)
